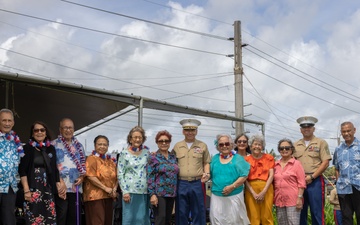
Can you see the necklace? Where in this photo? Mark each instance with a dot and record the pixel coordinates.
(141, 147)
(103, 156)
(39, 145)
(80, 165)
(228, 155)
(12, 136)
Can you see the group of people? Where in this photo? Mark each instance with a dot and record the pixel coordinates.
(246, 181)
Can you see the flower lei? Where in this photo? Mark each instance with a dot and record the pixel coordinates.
(12, 136)
(228, 155)
(39, 145)
(141, 147)
(104, 156)
(80, 165)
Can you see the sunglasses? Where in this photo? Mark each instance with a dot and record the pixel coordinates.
(242, 141)
(287, 148)
(227, 144)
(163, 141)
(42, 130)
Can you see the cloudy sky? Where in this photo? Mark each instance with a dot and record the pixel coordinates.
(301, 58)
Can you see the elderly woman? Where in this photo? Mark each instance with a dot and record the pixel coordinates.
(289, 185)
(39, 176)
(259, 191)
(100, 184)
(133, 179)
(242, 146)
(229, 172)
(162, 179)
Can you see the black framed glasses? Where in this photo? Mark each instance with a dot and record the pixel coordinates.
(227, 144)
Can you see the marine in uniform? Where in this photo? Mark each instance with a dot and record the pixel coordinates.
(194, 169)
(314, 155)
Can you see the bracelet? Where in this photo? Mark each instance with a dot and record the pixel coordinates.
(234, 186)
(26, 191)
(311, 176)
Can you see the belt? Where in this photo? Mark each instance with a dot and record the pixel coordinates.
(190, 178)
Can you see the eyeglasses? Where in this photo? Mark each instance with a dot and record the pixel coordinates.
(137, 137)
(163, 141)
(227, 144)
(287, 148)
(42, 130)
(242, 141)
(67, 128)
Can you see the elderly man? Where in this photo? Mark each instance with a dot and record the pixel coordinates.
(71, 164)
(314, 155)
(193, 160)
(10, 152)
(347, 167)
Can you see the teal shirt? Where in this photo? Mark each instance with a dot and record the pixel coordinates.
(223, 175)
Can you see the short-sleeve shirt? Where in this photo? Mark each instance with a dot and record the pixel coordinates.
(259, 168)
(191, 161)
(347, 162)
(9, 163)
(105, 171)
(226, 174)
(313, 155)
(132, 172)
(287, 182)
(66, 164)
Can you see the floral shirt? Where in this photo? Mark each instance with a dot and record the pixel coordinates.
(162, 175)
(66, 164)
(347, 162)
(9, 164)
(132, 172)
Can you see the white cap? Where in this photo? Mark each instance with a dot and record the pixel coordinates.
(190, 124)
(307, 121)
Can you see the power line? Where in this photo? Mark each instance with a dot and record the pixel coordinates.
(148, 21)
(324, 100)
(321, 81)
(113, 34)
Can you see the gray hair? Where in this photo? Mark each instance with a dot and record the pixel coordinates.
(4, 110)
(258, 138)
(224, 135)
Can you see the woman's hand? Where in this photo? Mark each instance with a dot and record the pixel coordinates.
(299, 203)
(79, 180)
(228, 189)
(61, 188)
(261, 196)
(27, 196)
(154, 200)
(126, 198)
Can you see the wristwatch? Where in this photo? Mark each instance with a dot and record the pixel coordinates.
(311, 176)
(300, 196)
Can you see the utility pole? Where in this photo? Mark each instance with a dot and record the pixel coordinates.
(238, 77)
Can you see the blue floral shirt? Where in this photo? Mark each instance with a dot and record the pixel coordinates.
(162, 175)
(132, 172)
(66, 165)
(9, 164)
(347, 162)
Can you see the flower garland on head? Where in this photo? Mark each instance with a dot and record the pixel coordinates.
(80, 165)
(104, 156)
(39, 145)
(228, 155)
(141, 147)
(12, 136)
